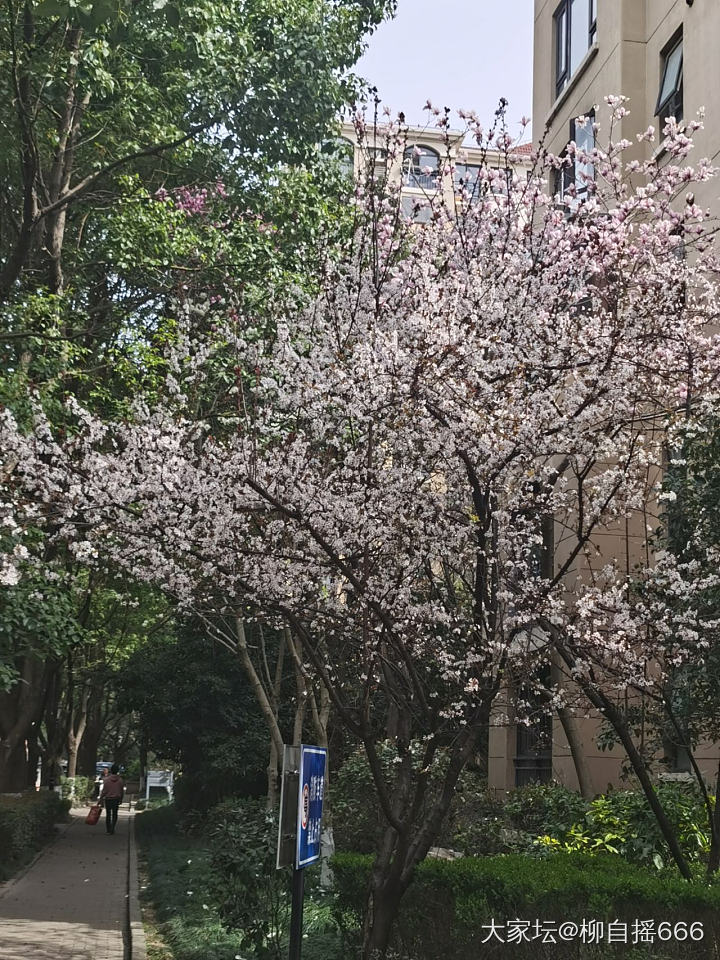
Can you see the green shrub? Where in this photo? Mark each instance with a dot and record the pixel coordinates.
(178, 886)
(443, 912)
(356, 813)
(479, 824)
(250, 893)
(185, 890)
(484, 824)
(622, 823)
(83, 792)
(471, 823)
(547, 808)
(27, 822)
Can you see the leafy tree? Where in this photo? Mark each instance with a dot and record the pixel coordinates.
(193, 701)
(151, 150)
(93, 92)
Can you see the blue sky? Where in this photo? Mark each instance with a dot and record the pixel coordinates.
(457, 53)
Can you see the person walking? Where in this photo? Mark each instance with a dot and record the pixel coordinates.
(111, 793)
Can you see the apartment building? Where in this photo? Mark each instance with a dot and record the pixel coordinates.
(431, 162)
(663, 56)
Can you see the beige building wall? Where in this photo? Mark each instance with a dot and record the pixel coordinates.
(627, 58)
(624, 57)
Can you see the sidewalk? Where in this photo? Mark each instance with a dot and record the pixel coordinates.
(72, 904)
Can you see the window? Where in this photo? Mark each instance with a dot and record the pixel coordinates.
(576, 179)
(421, 167)
(670, 96)
(501, 179)
(575, 32)
(415, 209)
(534, 738)
(584, 137)
(466, 179)
(342, 151)
(346, 152)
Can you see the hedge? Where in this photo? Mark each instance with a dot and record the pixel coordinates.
(82, 790)
(26, 823)
(444, 912)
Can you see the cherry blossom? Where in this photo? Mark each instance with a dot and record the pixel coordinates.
(415, 468)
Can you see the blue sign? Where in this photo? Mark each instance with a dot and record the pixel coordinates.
(310, 804)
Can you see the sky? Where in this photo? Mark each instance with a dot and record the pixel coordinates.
(457, 53)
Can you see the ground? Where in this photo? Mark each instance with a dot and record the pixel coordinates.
(72, 902)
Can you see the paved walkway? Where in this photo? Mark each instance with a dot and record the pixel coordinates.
(72, 903)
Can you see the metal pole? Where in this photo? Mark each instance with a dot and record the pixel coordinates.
(296, 916)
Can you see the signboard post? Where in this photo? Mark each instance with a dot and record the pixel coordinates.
(302, 791)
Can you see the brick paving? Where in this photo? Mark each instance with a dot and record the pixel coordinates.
(72, 903)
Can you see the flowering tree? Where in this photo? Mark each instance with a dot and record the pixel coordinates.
(670, 617)
(381, 475)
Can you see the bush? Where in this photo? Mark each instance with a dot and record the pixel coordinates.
(443, 912)
(483, 824)
(183, 886)
(83, 792)
(622, 823)
(479, 825)
(471, 823)
(178, 873)
(356, 813)
(545, 808)
(153, 803)
(250, 893)
(26, 823)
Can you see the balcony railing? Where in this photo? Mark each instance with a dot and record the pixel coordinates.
(422, 181)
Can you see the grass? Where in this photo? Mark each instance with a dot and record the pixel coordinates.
(180, 919)
(178, 914)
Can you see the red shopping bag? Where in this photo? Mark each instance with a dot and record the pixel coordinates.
(94, 815)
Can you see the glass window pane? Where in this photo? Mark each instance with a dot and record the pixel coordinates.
(584, 137)
(428, 159)
(671, 76)
(561, 40)
(421, 167)
(579, 32)
(466, 175)
(415, 210)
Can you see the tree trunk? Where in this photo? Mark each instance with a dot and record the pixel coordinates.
(55, 727)
(13, 766)
(582, 769)
(380, 917)
(256, 683)
(33, 759)
(571, 731)
(273, 777)
(144, 740)
(619, 725)
(76, 733)
(638, 765)
(88, 749)
(19, 709)
(714, 858)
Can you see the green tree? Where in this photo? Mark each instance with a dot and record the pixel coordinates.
(95, 91)
(150, 150)
(193, 702)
